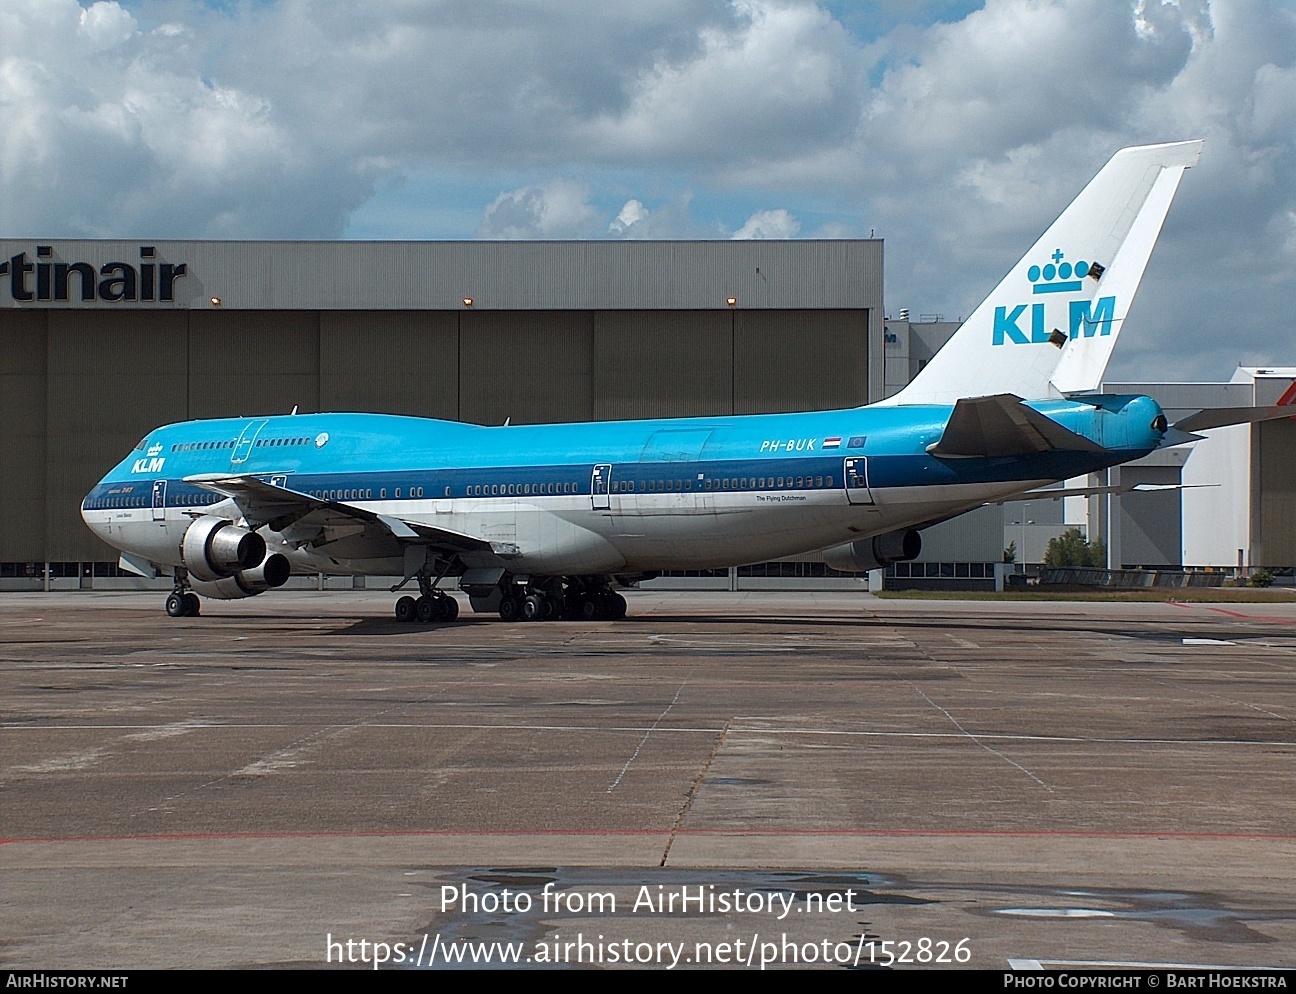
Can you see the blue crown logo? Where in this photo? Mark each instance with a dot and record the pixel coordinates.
(1057, 276)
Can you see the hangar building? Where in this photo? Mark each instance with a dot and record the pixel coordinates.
(100, 341)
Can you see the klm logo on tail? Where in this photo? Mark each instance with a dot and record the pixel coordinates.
(1086, 318)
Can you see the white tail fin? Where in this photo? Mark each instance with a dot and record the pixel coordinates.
(1048, 328)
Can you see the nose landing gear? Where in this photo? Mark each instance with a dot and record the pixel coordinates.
(183, 602)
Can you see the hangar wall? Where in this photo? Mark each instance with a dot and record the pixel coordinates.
(78, 388)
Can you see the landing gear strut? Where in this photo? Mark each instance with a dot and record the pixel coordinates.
(183, 602)
(431, 605)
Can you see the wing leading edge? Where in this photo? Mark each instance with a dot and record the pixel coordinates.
(303, 519)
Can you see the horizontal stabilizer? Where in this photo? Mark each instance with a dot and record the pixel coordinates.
(1173, 436)
(1222, 417)
(1130, 488)
(1003, 426)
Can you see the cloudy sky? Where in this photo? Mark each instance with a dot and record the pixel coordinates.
(953, 129)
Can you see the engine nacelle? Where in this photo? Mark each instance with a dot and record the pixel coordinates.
(215, 548)
(270, 573)
(874, 553)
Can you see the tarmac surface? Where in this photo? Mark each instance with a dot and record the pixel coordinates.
(822, 778)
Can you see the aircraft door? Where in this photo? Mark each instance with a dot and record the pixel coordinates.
(159, 500)
(855, 477)
(243, 447)
(601, 487)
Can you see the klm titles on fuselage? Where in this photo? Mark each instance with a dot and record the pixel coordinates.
(1086, 318)
(153, 462)
(46, 278)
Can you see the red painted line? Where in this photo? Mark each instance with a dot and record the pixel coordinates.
(705, 832)
(1236, 614)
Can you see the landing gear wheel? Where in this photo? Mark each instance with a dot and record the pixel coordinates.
(406, 610)
(589, 609)
(618, 607)
(510, 608)
(533, 608)
(193, 606)
(552, 609)
(426, 608)
(175, 606)
(449, 608)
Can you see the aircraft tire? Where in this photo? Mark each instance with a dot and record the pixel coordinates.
(618, 607)
(533, 608)
(175, 606)
(449, 608)
(426, 607)
(193, 606)
(510, 608)
(406, 610)
(589, 608)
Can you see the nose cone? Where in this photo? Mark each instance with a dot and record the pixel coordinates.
(92, 516)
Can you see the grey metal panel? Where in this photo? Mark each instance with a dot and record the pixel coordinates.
(22, 436)
(657, 364)
(800, 360)
(1151, 523)
(392, 362)
(1275, 533)
(975, 537)
(1269, 390)
(513, 275)
(252, 363)
(531, 367)
(1038, 511)
(1181, 399)
(111, 378)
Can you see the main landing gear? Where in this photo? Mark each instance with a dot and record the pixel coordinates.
(582, 599)
(183, 602)
(430, 607)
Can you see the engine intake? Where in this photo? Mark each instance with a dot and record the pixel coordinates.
(214, 548)
(874, 553)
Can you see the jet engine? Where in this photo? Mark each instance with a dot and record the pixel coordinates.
(273, 571)
(215, 548)
(874, 553)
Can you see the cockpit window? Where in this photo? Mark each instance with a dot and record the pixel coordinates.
(139, 446)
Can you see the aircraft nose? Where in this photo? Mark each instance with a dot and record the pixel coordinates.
(93, 521)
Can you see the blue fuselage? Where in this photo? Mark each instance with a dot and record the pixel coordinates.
(658, 494)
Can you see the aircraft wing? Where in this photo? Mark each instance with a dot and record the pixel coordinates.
(302, 518)
(1001, 425)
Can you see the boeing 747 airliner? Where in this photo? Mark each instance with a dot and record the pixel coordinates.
(542, 521)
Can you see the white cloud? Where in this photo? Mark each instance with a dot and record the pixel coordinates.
(769, 224)
(108, 133)
(557, 209)
(633, 213)
(783, 78)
